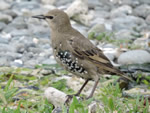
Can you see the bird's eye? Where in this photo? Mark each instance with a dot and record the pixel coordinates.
(50, 17)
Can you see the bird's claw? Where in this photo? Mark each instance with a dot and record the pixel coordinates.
(70, 98)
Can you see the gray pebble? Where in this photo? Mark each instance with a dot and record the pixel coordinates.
(2, 25)
(4, 61)
(134, 57)
(5, 18)
(16, 63)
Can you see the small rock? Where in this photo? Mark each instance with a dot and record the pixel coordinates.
(78, 11)
(124, 9)
(46, 46)
(143, 69)
(93, 5)
(31, 63)
(4, 5)
(124, 34)
(34, 50)
(28, 56)
(77, 7)
(127, 22)
(148, 19)
(8, 30)
(100, 14)
(142, 10)
(11, 54)
(6, 48)
(63, 2)
(49, 61)
(4, 40)
(83, 19)
(17, 63)
(2, 25)
(98, 28)
(19, 32)
(46, 72)
(135, 92)
(50, 2)
(134, 57)
(10, 12)
(5, 18)
(141, 42)
(54, 96)
(92, 107)
(4, 61)
(19, 6)
(132, 3)
(39, 31)
(144, 1)
(18, 23)
(20, 48)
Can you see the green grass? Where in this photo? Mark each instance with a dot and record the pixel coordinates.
(113, 101)
(31, 100)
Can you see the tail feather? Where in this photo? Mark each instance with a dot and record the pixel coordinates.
(120, 73)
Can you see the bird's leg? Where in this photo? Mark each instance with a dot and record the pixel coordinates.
(95, 85)
(78, 93)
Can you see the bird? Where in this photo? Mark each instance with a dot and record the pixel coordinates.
(76, 53)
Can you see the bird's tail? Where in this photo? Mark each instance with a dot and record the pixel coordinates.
(120, 73)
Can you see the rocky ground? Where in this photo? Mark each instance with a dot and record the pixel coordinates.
(121, 28)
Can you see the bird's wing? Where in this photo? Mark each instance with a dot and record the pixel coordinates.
(85, 50)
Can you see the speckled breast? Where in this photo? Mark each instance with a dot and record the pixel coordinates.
(69, 62)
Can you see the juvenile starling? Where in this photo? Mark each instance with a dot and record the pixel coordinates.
(76, 53)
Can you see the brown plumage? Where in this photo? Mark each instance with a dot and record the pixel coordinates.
(75, 52)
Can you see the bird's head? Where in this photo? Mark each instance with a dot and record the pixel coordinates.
(56, 19)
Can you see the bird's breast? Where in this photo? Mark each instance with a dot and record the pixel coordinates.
(67, 60)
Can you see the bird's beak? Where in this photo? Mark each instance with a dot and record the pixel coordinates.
(39, 16)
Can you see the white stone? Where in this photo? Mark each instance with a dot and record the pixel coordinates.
(54, 96)
(50, 2)
(5, 18)
(4, 5)
(78, 10)
(18, 61)
(134, 57)
(77, 7)
(125, 9)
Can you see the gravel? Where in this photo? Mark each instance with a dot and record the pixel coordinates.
(25, 42)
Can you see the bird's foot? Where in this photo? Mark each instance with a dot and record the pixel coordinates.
(69, 98)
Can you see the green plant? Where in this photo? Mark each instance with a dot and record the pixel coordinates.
(113, 101)
(77, 106)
